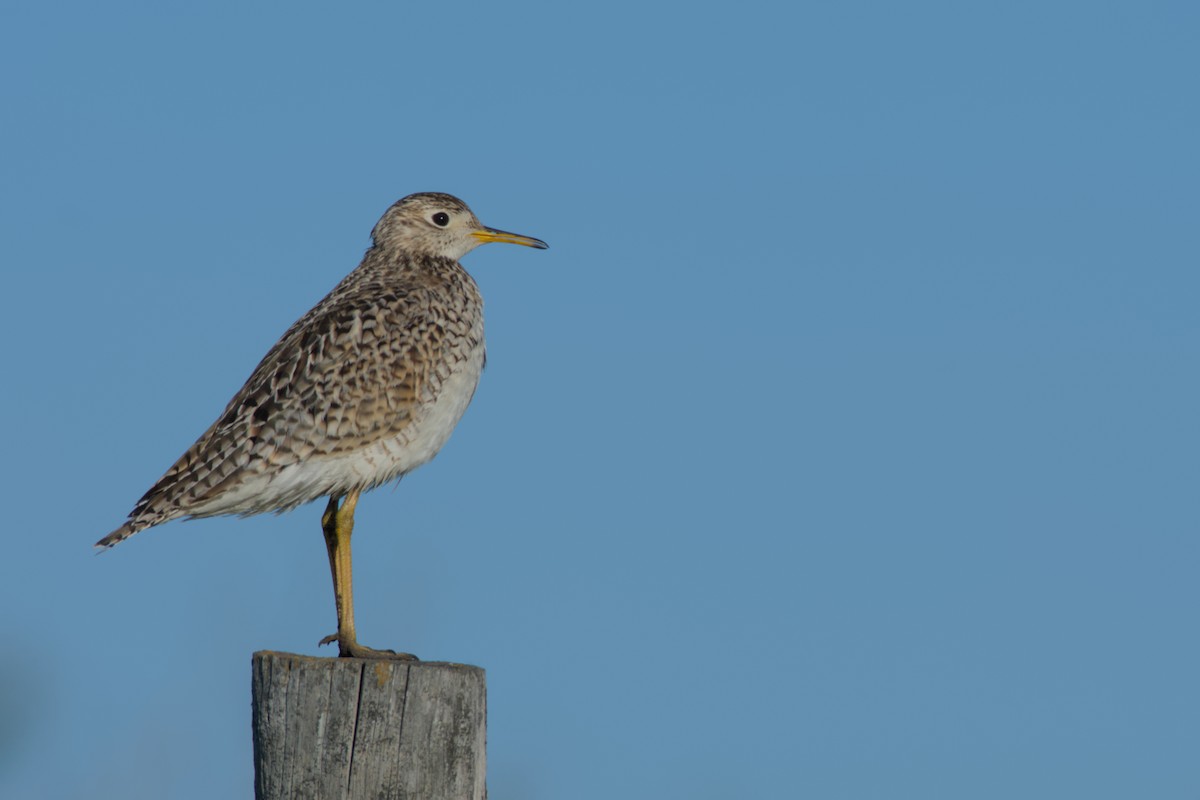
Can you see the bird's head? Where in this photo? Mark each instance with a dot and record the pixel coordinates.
(433, 223)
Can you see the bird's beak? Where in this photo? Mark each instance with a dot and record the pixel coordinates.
(493, 235)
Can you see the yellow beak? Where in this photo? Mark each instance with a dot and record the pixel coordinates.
(493, 235)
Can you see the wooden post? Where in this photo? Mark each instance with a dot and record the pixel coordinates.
(348, 728)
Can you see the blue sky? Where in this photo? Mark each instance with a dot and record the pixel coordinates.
(843, 444)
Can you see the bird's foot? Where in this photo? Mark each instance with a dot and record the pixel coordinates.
(352, 649)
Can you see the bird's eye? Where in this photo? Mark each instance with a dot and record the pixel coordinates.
(441, 219)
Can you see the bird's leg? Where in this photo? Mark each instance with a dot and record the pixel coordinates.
(338, 524)
(339, 565)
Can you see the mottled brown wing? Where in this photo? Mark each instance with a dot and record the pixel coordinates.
(345, 375)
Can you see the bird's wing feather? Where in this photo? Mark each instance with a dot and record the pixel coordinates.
(346, 374)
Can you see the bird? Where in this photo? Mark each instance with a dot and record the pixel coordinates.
(362, 389)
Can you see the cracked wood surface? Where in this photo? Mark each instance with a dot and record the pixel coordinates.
(342, 728)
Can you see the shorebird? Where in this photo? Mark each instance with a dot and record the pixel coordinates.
(364, 388)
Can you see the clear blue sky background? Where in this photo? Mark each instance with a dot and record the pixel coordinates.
(843, 445)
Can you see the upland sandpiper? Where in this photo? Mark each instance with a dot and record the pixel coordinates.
(365, 387)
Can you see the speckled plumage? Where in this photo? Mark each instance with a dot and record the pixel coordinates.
(365, 387)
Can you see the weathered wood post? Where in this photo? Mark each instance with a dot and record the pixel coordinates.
(349, 728)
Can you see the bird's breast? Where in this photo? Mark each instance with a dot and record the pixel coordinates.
(434, 419)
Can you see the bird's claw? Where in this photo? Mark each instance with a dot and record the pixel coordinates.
(356, 650)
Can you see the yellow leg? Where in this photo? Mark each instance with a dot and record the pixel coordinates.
(338, 525)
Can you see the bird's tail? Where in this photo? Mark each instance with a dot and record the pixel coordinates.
(119, 535)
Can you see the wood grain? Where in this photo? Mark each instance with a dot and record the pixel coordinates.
(341, 728)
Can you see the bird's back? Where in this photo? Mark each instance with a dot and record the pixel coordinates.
(366, 386)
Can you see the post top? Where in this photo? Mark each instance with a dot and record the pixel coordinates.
(277, 655)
